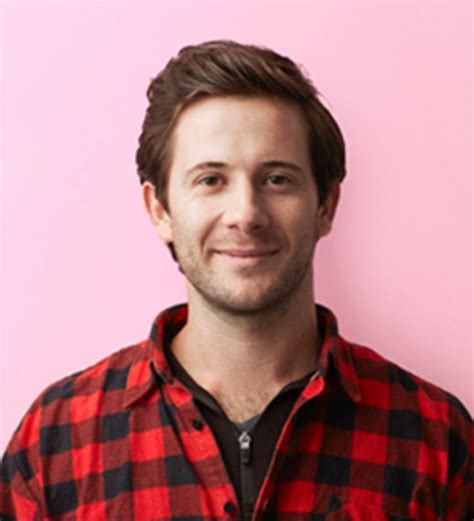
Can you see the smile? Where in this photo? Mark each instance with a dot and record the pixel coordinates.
(246, 258)
(247, 253)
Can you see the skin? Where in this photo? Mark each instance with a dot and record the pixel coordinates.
(244, 225)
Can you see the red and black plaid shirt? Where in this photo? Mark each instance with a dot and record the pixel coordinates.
(123, 440)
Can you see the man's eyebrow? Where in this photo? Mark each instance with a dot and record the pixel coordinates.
(275, 163)
(204, 166)
(283, 164)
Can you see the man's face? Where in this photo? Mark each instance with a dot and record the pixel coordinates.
(243, 205)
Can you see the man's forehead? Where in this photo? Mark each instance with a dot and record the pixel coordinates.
(223, 129)
(247, 109)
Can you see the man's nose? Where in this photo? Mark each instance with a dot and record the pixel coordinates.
(245, 208)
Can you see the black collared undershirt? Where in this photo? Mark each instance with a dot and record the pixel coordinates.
(246, 467)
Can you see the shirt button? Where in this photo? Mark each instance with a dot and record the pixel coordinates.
(229, 507)
(197, 424)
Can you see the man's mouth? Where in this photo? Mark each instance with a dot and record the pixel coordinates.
(246, 258)
(241, 253)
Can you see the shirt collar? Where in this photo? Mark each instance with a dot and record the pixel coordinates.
(150, 362)
(336, 354)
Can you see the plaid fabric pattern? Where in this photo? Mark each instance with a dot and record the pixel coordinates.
(123, 440)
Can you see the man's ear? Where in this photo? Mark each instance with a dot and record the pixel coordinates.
(158, 214)
(327, 209)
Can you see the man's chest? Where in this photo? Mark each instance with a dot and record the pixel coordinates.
(164, 463)
(240, 406)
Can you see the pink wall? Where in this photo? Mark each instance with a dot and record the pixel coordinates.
(84, 274)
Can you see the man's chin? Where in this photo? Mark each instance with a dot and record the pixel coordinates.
(247, 296)
(245, 305)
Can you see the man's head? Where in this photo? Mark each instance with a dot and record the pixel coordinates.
(234, 188)
(226, 68)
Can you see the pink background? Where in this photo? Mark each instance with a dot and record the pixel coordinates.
(84, 273)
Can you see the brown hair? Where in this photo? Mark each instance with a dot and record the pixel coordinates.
(225, 67)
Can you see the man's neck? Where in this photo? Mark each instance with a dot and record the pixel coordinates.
(233, 355)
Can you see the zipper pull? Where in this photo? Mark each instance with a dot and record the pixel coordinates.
(245, 451)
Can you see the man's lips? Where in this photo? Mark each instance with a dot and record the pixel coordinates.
(246, 253)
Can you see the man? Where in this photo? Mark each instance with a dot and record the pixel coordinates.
(246, 403)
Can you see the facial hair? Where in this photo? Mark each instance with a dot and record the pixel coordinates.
(252, 297)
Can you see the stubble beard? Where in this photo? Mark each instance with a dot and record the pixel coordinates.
(254, 299)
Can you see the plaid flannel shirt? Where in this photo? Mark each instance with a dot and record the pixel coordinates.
(123, 440)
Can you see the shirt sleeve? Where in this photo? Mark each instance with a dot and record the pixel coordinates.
(16, 500)
(460, 496)
(20, 493)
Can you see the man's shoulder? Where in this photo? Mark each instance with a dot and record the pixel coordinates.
(88, 393)
(385, 383)
(111, 372)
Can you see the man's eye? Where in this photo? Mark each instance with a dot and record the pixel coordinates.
(277, 179)
(209, 180)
